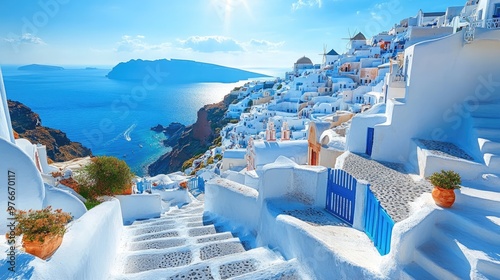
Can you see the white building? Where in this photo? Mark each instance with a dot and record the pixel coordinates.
(450, 97)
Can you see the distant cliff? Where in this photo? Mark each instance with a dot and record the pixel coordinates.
(27, 124)
(195, 139)
(177, 71)
(40, 67)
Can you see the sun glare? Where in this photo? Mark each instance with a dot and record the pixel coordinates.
(225, 9)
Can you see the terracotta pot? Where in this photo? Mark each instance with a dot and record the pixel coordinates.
(45, 249)
(128, 190)
(443, 197)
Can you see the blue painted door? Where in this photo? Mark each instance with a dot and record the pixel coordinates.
(369, 140)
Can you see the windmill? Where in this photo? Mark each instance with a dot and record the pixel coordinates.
(324, 53)
(351, 37)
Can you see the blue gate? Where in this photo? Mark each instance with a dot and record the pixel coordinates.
(341, 194)
(369, 140)
(196, 185)
(378, 224)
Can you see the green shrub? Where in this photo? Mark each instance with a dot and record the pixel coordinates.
(217, 141)
(210, 160)
(187, 164)
(89, 204)
(218, 157)
(446, 179)
(104, 176)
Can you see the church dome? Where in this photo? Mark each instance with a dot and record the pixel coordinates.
(304, 60)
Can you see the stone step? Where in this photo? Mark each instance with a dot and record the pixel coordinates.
(151, 261)
(465, 244)
(149, 228)
(156, 235)
(223, 267)
(492, 160)
(414, 271)
(489, 145)
(176, 256)
(214, 237)
(487, 122)
(161, 243)
(170, 220)
(437, 261)
(158, 221)
(486, 110)
(488, 133)
(219, 249)
(289, 270)
(484, 227)
(488, 269)
(203, 230)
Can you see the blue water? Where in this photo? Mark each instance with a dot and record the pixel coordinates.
(110, 117)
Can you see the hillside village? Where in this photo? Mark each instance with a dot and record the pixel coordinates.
(322, 175)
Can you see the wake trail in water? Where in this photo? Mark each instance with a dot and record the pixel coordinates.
(127, 132)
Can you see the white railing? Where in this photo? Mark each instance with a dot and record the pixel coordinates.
(493, 23)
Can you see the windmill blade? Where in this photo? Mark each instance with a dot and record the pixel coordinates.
(324, 53)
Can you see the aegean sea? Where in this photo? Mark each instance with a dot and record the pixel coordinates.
(107, 115)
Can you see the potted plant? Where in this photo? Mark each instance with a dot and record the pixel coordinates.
(445, 182)
(42, 230)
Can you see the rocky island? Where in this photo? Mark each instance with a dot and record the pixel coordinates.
(40, 67)
(178, 71)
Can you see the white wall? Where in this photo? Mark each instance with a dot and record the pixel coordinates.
(88, 249)
(356, 138)
(463, 73)
(42, 155)
(177, 197)
(288, 234)
(232, 201)
(61, 199)
(5, 123)
(28, 192)
(139, 206)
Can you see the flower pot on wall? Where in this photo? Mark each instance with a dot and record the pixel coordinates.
(43, 249)
(443, 197)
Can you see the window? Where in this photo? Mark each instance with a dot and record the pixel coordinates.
(496, 13)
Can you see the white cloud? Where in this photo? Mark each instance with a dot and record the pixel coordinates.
(376, 16)
(137, 44)
(26, 38)
(306, 3)
(200, 44)
(208, 44)
(386, 11)
(265, 44)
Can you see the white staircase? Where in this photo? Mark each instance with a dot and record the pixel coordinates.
(486, 122)
(463, 243)
(181, 245)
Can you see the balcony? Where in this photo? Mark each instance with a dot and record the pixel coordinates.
(493, 23)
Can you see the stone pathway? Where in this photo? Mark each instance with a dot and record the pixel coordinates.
(183, 245)
(389, 182)
(445, 149)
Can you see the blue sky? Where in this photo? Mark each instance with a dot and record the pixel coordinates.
(238, 33)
